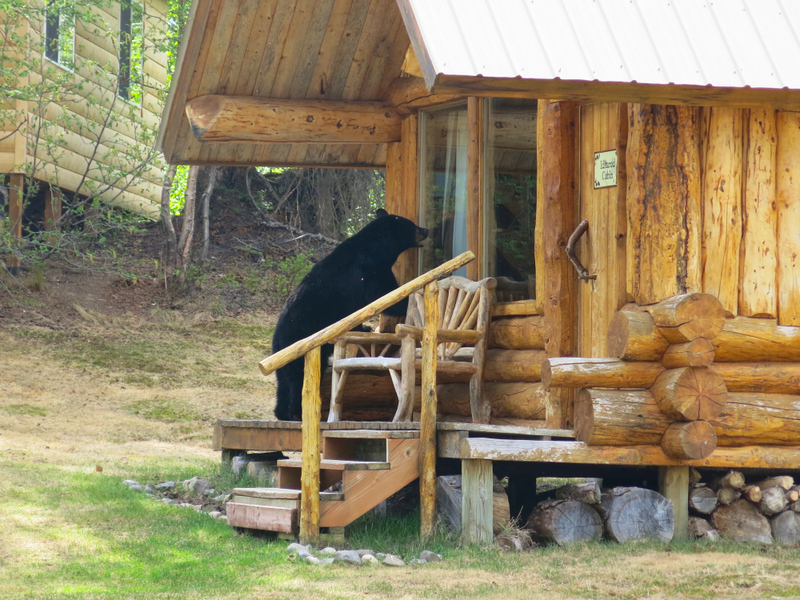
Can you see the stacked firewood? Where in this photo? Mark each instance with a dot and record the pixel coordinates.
(765, 511)
(582, 512)
(686, 378)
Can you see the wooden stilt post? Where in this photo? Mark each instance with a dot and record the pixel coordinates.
(477, 504)
(16, 194)
(673, 484)
(309, 487)
(427, 426)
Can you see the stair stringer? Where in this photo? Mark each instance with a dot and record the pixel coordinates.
(364, 490)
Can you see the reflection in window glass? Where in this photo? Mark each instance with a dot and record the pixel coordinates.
(60, 35)
(510, 179)
(443, 194)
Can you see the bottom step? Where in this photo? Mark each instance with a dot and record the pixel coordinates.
(265, 518)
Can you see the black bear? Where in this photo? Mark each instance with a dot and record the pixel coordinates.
(357, 272)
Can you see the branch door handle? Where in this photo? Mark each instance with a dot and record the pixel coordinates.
(583, 272)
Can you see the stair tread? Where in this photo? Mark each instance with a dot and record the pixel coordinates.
(339, 465)
(371, 434)
(241, 495)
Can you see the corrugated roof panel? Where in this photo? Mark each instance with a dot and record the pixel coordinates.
(720, 43)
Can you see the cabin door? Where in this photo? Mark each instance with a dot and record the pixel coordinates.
(601, 182)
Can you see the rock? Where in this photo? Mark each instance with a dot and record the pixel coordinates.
(168, 501)
(136, 488)
(238, 463)
(215, 514)
(326, 561)
(130, 482)
(517, 541)
(209, 492)
(418, 561)
(189, 484)
(149, 489)
(298, 548)
(311, 559)
(369, 559)
(393, 561)
(222, 498)
(380, 555)
(364, 551)
(429, 556)
(328, 551)
(347, 556)
(166, 485)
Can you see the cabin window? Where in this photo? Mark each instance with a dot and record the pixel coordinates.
(59, 35)
(510, 196)
(131, 50)
(443, 183)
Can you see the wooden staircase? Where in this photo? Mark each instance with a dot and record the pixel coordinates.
(370, 464)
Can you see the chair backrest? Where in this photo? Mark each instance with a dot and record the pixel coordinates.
(463, 304)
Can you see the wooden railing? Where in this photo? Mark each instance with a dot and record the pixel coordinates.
(312, 398)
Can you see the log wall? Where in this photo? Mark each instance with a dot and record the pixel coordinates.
(70, 121)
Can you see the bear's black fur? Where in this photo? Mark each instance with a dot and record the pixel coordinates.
(357, 272)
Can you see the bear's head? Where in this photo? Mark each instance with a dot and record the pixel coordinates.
(382, 240)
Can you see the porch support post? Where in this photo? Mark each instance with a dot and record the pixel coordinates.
(477, 503)
(673, 484)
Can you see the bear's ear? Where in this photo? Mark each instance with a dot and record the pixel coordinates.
(380, 213)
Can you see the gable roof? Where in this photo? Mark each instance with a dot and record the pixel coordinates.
(740, 50)
(701, 52)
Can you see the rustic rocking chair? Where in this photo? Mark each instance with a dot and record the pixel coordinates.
(463, 321)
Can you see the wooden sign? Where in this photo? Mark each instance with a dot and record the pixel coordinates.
(605, 169)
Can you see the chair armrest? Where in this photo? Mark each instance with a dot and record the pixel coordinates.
(466, 336)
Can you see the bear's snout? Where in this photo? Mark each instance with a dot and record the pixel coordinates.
(422, 233)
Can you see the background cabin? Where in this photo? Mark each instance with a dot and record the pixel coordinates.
(671, 128)
(90, 82)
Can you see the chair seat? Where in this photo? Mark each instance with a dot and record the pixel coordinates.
(366, 362)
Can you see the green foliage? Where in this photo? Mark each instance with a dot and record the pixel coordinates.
(177, 195)
(286, 274)
(167, 410)
(24, 409)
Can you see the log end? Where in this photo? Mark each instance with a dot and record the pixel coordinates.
(689, 441)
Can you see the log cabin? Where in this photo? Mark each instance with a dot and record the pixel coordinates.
(90, 90)
(628, 172)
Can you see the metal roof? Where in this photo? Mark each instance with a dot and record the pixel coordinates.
(722, 43)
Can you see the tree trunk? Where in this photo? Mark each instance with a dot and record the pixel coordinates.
(187, 227)
(171, 253)
(703, 500)
(773, 501)
(637, 513)
(213, 175)
(565, 521)
(588, 492)
(728, 495)
(741, 522)
(786, 528)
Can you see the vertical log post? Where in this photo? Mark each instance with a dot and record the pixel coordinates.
(15, 209)
(309, 485)
(477, 502)
(427, 426)
(476, 108)
(788, 215)
(673, 484)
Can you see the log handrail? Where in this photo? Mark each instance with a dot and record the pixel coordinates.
(301, 347)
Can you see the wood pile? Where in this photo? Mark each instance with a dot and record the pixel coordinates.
(582, 512)
(765, 511)
(684, 377)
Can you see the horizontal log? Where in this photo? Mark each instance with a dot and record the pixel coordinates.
(517, 333)
(697, 353)
(633, 335)
(510, 400)
(465, 336)
(760, 377)
(216, 118)
(573, 372)
(632, 417)
(513, 365)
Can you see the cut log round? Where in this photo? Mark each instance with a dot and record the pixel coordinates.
(741, 522)
(773, 501)
(565, 521)
(637, 513)
(728, 496)
(690, 393)
(703, 500)
(731, 479)
(687, 317)
(702, 529)
(697, 353)
(752, 493)
(689, 440)
(786, 528)
(785, 482)
(632, 335)
(588, 492)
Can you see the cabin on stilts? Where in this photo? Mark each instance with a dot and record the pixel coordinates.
(83, 90)
(627, 173)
